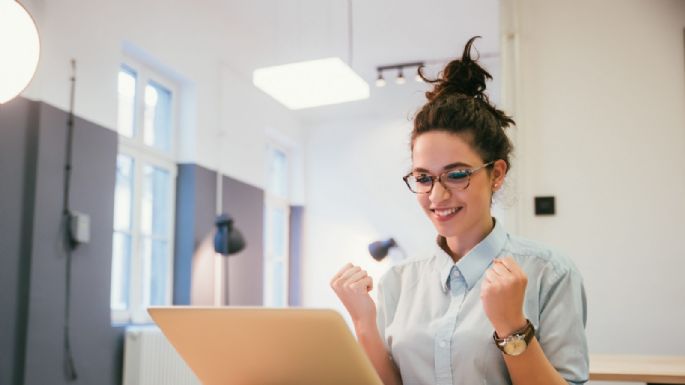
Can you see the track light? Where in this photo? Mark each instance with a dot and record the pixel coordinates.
(400, 79)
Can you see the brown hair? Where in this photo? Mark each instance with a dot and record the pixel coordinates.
(458, 104)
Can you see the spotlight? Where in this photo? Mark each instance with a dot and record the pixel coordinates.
(379, 249)
(400, 77)
(380, 82)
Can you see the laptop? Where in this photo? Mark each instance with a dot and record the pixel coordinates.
(264, 346)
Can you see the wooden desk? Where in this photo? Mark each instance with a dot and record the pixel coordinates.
(633, 368)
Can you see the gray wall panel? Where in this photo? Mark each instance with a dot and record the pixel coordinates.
(46, 302)
(94, 341)
(295, 269)
(196, 200)
(32, 280)
(195, 212)
(245, 203)
(184, 244)
(205, 204)
(18, 139)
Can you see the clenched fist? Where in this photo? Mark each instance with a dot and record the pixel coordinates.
(502, 293)
(352, 286)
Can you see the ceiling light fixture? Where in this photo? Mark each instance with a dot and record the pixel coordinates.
(311, 83)
(316, 82)
(400, 79)
(19, 47)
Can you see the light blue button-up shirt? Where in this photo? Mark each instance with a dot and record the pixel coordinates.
(433, 324)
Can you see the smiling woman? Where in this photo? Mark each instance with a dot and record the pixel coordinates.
(487, 306)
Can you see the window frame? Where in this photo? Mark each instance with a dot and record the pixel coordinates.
(272, 201)
(147, 155)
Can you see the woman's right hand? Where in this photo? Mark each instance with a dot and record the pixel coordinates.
(352, 285)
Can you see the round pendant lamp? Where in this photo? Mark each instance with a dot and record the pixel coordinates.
(19, 49)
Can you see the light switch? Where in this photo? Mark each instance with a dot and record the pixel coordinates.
(544, 206)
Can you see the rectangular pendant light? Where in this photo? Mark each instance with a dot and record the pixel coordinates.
(311, 83)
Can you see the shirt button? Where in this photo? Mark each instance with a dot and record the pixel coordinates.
(443, 343)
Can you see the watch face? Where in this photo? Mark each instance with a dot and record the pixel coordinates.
(515, 345)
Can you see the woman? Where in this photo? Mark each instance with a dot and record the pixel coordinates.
(487, 307)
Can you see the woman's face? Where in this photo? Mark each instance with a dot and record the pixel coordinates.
(454, 213)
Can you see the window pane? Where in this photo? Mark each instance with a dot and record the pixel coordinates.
(155, 202)
(121, 267)
(275, 284)
(155, 225)
(155, 271)
(278, 287)
(157, 121)
(278, 229)
(276, 271)
(121, 242)
(123, 193)
(278, 173)
(127, 101)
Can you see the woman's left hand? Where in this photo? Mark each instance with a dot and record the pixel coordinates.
(502, 293)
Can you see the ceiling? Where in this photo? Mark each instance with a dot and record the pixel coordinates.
(271, 32)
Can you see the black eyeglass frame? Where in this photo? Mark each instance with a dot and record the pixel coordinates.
(468, 172)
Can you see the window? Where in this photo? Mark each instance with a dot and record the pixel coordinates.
(276, 232)
(142, 249)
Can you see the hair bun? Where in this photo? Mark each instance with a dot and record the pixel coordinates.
(461, 76)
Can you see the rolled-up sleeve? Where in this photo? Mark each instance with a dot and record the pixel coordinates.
(561, 332)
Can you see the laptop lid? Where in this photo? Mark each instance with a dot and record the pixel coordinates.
(263, 346)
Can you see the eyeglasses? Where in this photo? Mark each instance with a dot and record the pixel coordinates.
(421, 183)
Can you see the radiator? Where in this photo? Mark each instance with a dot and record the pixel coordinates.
(149, 359)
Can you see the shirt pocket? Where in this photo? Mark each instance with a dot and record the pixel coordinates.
(491, 365)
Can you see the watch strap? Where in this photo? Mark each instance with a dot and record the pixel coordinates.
(526, 334)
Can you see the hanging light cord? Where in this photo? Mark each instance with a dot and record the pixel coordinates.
(69, 367)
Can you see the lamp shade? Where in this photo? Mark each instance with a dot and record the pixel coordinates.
(19, 49)
(227, 239)
(379, 249)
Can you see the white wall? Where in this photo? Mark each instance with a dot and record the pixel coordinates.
(602, 127)
(249, 119)
(188, 41)
(355, 195)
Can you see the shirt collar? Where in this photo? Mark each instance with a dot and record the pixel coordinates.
(473, 264)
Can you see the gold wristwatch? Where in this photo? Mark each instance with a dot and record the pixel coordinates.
(517, 342)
